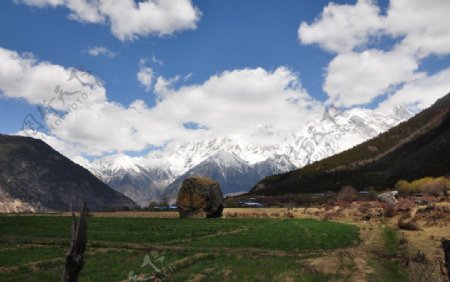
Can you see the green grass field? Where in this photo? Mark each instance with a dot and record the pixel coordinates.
(32, 248)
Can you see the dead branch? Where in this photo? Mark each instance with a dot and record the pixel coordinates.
(75, 259)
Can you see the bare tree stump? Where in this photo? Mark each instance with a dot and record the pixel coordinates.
(446, 247)
(74, 260)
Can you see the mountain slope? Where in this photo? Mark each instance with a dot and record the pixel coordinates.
(143, 179)
(416, 148)
(233, 173)
(124, 175)
(36, 177)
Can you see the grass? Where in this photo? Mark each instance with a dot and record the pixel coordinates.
(289, 235)
(389, 270)
(391, 241)
(243, 268)
(32, 248)
(22, 255)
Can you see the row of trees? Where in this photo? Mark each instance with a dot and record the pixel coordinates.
(164, 203)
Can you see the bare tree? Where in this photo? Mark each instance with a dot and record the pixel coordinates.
(446, 247)
(75, 259)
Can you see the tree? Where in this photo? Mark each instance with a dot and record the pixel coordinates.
(75, 259)
(152, 205)
(164, 202)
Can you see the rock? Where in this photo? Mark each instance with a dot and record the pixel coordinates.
(389, 198)
(422, 202)
(200, 197)
(373, 149)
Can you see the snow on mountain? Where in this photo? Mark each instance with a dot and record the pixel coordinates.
(126, 175)
(232, 172)
(113, 166)
(237, 163)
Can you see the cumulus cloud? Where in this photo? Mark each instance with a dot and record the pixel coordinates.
(232, 103)
(422, 24)
(145, 75)
(100, 51)
(46, 84)
(358, 77)
(359, 73)
(420, 93)
(128, 19)
(342, 27)
(235, 103)
(239, 100)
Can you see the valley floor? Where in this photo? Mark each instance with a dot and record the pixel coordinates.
(247, 245)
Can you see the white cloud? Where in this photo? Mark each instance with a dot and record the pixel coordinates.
(109, 127)
(420, 93)
(357, 78)
(99, 51)
(423, 23)
(358, 74)
(342, 27)
(237, 102)
(84, 11)
(234, 102)
(41, 3)
(128, 19)
(145, 75)
(43, 83)
(157, 61)
(164, 85)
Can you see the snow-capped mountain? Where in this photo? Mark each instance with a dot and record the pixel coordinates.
(232, 172)
(111, 167)
(236, 163)
(123, 173)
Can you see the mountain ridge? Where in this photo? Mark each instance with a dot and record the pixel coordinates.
(34, 177)
(378, 162)
(319, 139)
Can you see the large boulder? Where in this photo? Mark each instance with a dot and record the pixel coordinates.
(389, 198)
(200, 197)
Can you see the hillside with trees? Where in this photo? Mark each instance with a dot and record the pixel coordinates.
(414, 149)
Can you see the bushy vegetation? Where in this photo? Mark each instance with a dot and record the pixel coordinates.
(431, 185)
(347, 194)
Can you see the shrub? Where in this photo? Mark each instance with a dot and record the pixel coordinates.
(430, 185)
(372, 194)
(390, 211)
(347, 195)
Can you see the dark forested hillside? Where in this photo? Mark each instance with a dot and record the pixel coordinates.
(416, 148)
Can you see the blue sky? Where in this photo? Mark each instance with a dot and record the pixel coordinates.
(231, 35)
(234, 35)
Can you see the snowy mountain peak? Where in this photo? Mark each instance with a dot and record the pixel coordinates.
(226, 159)
(118, 162)
(237, 162)
(114, 165)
